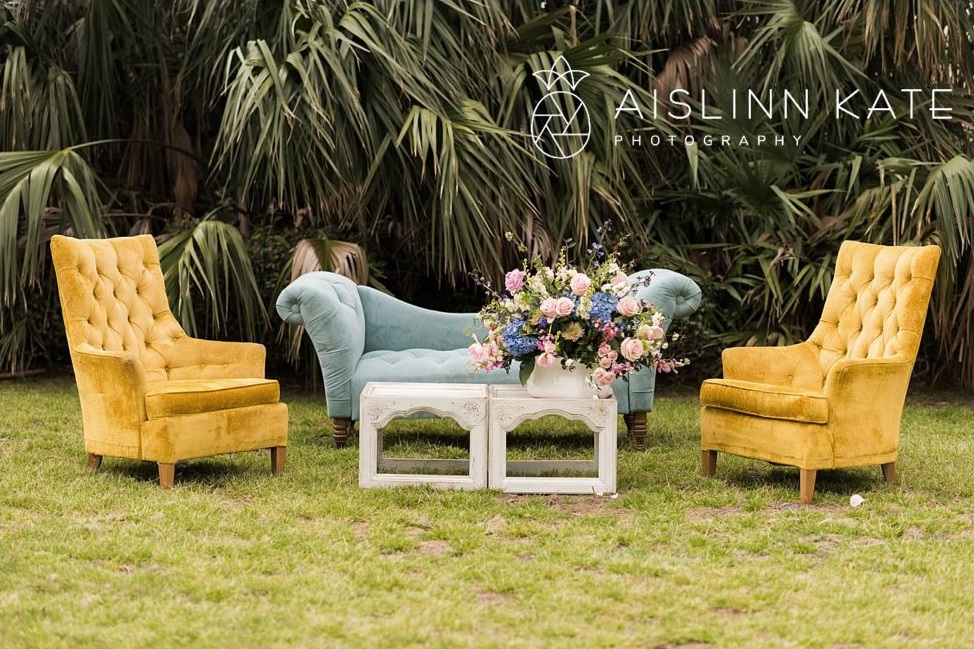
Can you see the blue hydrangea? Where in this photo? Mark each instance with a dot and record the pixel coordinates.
(602, 307)
(516, 342)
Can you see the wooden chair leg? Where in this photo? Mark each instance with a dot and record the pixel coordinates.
(889, 472)
(708, 463)
(638, 430)
(167, 475)
(278, 455)
(627, 418)
(94, 461)
(343, 426)
(806, 485)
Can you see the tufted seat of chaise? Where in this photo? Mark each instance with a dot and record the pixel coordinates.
(361, 335)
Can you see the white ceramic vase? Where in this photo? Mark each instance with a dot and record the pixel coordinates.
(556, 382)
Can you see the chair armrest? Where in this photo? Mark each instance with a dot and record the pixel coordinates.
(792, 365)
(195, 358)
(876, 384)
(327, 305)
(866, 399)
(111, 388)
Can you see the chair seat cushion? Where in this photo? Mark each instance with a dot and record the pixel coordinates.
(192, 396)
(766, 400)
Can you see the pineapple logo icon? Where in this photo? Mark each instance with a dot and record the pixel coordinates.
(560, 124)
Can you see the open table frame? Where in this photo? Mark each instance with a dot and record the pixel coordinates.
(488, 413)
(511, 405)
(382, 402)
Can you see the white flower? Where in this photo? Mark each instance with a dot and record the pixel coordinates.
(856, 500)
(536, 284)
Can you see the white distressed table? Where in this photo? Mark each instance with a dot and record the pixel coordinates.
(382, 402)
(511, 405)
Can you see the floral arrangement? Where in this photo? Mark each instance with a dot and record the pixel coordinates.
(586, 316)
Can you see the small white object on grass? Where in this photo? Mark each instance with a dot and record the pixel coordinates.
(856, 500)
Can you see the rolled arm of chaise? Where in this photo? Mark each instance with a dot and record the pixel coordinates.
(328, 307)
(676, 296)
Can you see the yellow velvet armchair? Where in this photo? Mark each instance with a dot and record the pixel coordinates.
(836, 399)
(148, 391)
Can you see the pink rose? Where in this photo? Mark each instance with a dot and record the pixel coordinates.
(545, 360)
(628, 306)
(631, 348)
(564, 306)
(620, 279)
(580, 283)
(603, 376)
(476, 351)
(650, 332)
(485, 356)
(549, 308)
(514, 281)
(606, 362)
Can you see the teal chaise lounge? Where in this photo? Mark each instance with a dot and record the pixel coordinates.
(361, 335)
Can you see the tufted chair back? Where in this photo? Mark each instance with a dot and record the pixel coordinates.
(114, 299)
(877, 303)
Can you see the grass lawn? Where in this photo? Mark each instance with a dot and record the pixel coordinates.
(236, 558)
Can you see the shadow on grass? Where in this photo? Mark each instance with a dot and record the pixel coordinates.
(841, 482)
(213, 472)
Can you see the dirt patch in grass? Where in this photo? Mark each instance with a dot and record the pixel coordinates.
(237, 503)
(434, 548)
(581, 505)
(360, 528)
(728, 610)
(495, 524)
(495, 598)
(711, 513)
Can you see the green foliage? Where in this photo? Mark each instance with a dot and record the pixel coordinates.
(406, 126)
(210, 258)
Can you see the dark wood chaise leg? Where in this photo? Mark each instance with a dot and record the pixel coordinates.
(278, 455)
(889, 472)
(638, 429)
(94, 461)
(806, 485)
(708, 463)
(628, 419)
(343, 426)
(167, 475)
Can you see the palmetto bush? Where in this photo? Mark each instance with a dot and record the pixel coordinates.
(405, 126)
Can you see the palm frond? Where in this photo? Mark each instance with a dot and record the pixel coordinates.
(209, 261)
(30, 183)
